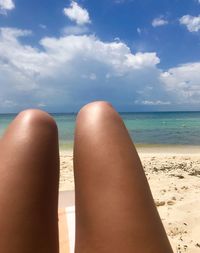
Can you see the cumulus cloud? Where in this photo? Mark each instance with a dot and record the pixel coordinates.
(184, 81)
(70, 71)
(191, 22)
(6, 5)
(77, 13)
(159, 22)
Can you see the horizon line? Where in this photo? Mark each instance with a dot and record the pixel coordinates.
(120, 112)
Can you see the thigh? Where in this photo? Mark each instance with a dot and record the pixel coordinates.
(29, 174)
(115, 211)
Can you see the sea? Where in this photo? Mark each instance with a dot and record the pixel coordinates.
(145, 128)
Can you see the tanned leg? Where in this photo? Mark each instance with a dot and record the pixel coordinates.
(29, 175)
(115, 211)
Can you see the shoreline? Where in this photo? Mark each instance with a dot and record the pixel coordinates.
(168, 149)
(153, 148)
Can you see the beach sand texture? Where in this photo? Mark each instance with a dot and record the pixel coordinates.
(174, 178)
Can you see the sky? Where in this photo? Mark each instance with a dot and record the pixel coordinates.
(138, 55)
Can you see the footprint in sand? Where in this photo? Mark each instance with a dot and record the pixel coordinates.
(170, 202)
(159, 203)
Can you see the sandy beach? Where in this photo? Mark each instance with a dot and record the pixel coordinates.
(173, 173)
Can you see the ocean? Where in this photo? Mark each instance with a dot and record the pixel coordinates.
(180, 128)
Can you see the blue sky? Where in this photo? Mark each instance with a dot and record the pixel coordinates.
(60, 55)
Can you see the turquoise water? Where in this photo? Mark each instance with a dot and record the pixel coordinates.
(181, 128)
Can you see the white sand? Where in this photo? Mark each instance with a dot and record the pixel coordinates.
(174, 177)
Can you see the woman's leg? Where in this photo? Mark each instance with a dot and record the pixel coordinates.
(115, 211)
(29, 174)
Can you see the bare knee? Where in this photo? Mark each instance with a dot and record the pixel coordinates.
(95, 111)
(103, 105)
(32, 124)
(36, 118)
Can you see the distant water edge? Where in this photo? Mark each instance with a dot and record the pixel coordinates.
(155, 128)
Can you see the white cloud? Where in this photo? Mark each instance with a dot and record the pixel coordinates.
(9, 104)
(159, 22)
(77, 13)
(154, 102)
(184, 81)
(192, 23)
(41, 105)
(54, 76)
(116, 55)
(6, 5)
(19, 65)
(72, 70)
